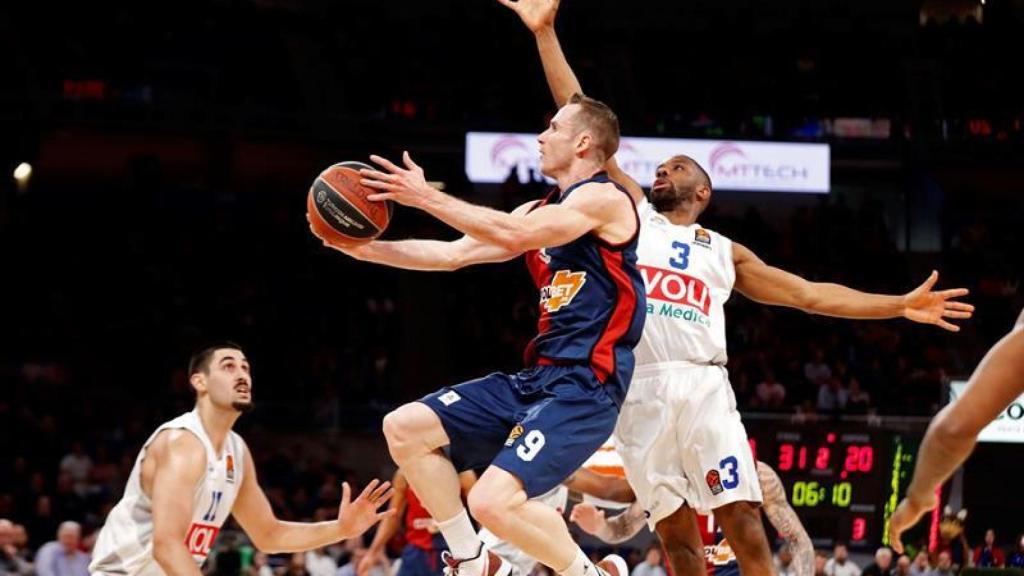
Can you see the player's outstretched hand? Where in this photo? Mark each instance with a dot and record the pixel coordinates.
(907, 514)
(536, 14)
(406, 186)
(929, 306)
(356, 516)
(588, 517)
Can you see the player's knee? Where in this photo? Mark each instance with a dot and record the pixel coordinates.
(489, 503)
(401, 429)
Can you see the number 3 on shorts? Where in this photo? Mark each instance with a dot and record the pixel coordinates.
(532, 444)
(732, 474)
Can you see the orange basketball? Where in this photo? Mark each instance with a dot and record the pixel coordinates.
(339, 211)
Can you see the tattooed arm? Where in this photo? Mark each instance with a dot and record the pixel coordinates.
(614, 530)
(784, 519)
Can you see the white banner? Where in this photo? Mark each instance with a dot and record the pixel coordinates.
(1007, 427)
(746, 166)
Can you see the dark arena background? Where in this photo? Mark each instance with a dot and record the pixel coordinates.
(154, 165)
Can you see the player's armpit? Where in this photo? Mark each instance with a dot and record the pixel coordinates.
(180, 460)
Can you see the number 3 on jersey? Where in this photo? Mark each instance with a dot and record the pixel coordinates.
(681, 260)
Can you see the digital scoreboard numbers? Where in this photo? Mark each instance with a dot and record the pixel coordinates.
(836, 479)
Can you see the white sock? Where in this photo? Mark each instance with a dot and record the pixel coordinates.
(581, 566)
(461, 538)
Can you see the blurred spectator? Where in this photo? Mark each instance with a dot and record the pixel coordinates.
(1016, 559)
(296, 565)
(784, 562)
(902, 566)
(816, 371)
(62, 556)
(653, 565)
(832, 397)
(858, 400)
(840, 563)
(988, 555)
(921, 565)
(319, 563)
(820, 560)
(881, 565)
(944, 565)
(78, 466)
(770, 393)
(260, 566)
(11, 561)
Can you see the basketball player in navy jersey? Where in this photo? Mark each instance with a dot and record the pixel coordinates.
(534, 428)
(997, 381)
(680, 436)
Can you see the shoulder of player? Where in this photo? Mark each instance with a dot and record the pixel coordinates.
(179, 446)
(597, 196)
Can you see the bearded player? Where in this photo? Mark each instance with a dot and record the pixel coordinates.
(679, 433)
(194, 472)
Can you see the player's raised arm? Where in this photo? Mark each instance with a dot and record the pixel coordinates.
(784, 519)
(432, 255)
(180, 461)
(539, 17)
(254, 514)
(951, 436)
(770, 285)
(592, 208)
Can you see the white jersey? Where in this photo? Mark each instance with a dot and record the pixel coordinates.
(688, 274)
(125, 544)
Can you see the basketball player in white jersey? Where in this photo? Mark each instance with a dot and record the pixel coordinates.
(194, 471)
(679, 433)
(997, 381)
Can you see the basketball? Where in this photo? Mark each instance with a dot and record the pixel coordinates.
(339, 211)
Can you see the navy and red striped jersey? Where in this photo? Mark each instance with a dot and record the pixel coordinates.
(592, 303)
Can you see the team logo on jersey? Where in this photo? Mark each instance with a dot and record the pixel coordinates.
(702, 237)
(200, 539)
(517, 431)
(450, 397)
(543, 255)
(714, 481)
(676, 287)
(231, 469)
(564, 286)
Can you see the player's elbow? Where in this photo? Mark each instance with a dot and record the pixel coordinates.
(164, 549)
(265, 540)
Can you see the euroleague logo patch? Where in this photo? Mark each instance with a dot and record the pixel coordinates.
(231, 469)
(517, 431)
(714, 481)
(702, 237)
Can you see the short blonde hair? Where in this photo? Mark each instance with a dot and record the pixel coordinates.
(602, 122)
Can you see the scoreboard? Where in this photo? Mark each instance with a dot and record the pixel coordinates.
(843, 481)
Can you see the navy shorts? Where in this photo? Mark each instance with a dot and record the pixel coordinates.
(540, 424)
(419, 562)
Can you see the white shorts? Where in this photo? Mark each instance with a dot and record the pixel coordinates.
(682, 441)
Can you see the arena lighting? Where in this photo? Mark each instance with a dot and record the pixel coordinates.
(23, 172)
